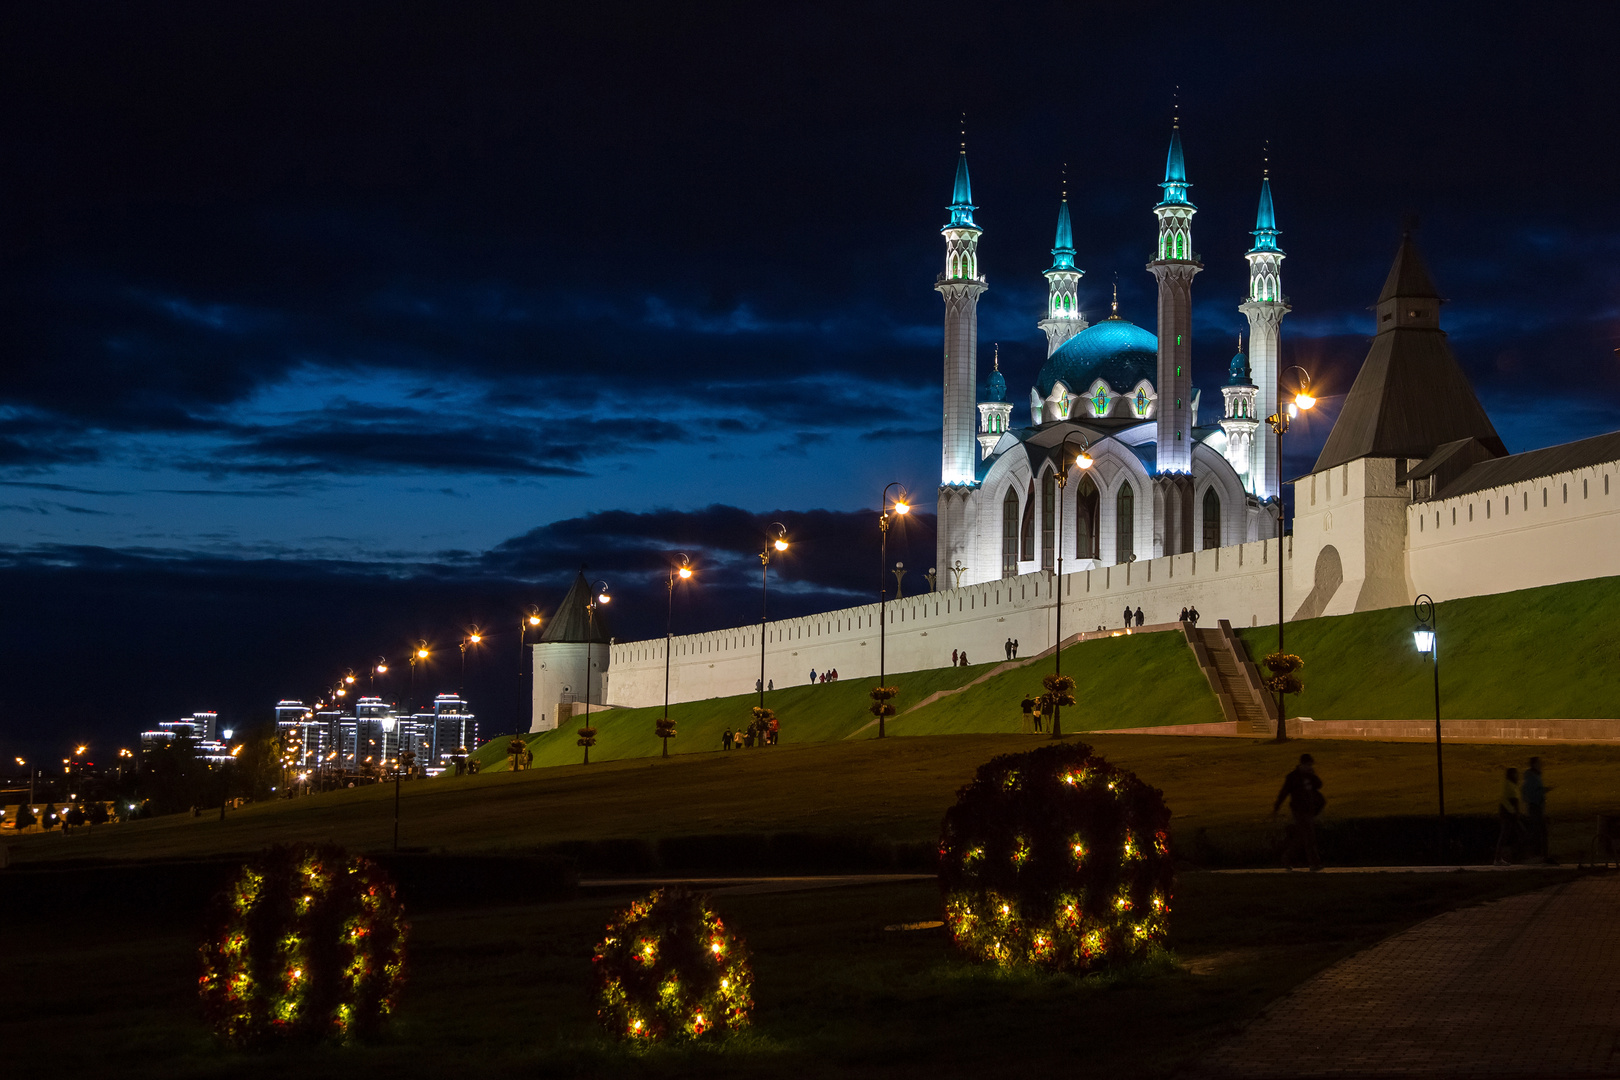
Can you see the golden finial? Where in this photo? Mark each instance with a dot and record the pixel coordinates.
(964, 131)
(1240, 341)
(1116, 299)
(1065, 181)
(1175, 107)
(1266, 160)
(997, 361)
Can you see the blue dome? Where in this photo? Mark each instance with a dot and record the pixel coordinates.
(1118, 352)
(997, 385)
(1238, 371)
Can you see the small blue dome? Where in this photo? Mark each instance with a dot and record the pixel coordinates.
(1238, 371)
(1114, 350)
(997, 385)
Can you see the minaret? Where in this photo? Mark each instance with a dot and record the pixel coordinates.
(1063, 318)
(1265, 308)
(1240, 420)
(1174, 268)
(960, 285)
(994, 413)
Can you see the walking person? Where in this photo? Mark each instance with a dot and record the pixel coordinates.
(953, 658)
(1534, 793)
(726, 740)
(1507, 813)
(964, 658)
(1015, 649)
(1192, 615)
(1129, 615)
(1138, 616)
(1303, 790)
(1028, 706)
(1183, 616)
(812, 676)
(1007, 648)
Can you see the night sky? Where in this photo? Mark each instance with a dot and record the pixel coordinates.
(327, 326)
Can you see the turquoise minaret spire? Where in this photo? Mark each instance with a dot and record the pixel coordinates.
(1265, 307)
(961, 285)
(1063, 318)
(1174, 268)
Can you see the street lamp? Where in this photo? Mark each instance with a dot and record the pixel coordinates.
(474, 637)
(378, 668)
(682, 572)
(419, 653)
(1304, 400)
(530, 621)
(1083, 460)
(900, 507)
(601, 597)
(958, 569)
(779, 544)
(1427, 642)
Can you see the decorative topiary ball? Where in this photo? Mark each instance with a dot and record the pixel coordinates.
(668, 968)
(1056, 859)
(308, 943)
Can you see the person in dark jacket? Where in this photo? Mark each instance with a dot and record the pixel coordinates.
(1138, 616)
(1302, 789)
(1129, 615)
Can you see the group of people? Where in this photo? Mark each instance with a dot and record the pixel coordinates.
(831, 675)
(1132, 615)
(1188, 614)
(1522, 812)
(757, 733)
(959, 658)
(1012, 648)
(1032, 707)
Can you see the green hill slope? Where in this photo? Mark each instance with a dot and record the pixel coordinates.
(1545, 653)
(1120, 682)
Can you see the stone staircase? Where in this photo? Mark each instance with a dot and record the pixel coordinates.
(1233, 677)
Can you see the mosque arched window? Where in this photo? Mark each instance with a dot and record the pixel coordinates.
(1178, 245)
(1141, 401)
(1212, 519)
(1048, 519)
(1124, 523)
(955, 267)
(1085, 518)
(1026, 538)
(1009, 534)
(1099, 402)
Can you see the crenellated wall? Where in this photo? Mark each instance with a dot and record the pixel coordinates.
(1238, 583)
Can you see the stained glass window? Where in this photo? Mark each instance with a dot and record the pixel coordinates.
(1141, 402)
(1100, 402)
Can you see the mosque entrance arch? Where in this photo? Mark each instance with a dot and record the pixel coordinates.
(1087, 502)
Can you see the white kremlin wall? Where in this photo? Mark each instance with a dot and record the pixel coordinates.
(1361, 545)
(1564, 527)
(1238, 583)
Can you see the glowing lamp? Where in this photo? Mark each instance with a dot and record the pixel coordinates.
(902, 508)
(475, 638)
(1423, 638)
(348, 678)
(534, 620)
(1304, 400)
(228, 733)
(421, 654)
(780, 544)
(684, 572)
(382, 669)
(604, 598)
(1084, 460)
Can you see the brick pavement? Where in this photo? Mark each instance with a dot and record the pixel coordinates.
(1528, 986)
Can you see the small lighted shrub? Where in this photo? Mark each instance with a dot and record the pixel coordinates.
(307, 942)
(668, 968)
(1056, 859)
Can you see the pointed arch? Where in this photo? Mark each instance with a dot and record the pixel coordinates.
(1009, 534)
(1212, 519)
(1026, 542)
(1125, 523)
(1048, 518)
(1086, 505)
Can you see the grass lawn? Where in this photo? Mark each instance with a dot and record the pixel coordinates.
(505, 991)
(1140, 680)
(894, 789)
(1534, 654)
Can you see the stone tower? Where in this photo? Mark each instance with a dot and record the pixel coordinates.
(1174, 267)
(960, 285)
(1063, 318)
(1265, 308)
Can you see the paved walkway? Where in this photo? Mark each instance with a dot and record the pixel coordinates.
(1523, 987)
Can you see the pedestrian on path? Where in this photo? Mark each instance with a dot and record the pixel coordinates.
(1534, 792)
(1129, 615)
(1183, 616)
(1138, 616)
(726, 740)
(1015, 649)
(964, 658)
(1192, 616)
(812, 676)
(1507, 812)
(953, 658)
(1028, 705)
(1007, 648)
(1303, 790)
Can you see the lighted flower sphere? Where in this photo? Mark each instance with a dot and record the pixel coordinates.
(1056, 859)
(308, 943)
(669, 969)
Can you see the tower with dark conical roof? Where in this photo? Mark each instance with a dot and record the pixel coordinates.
(1265, 307)
(1063, 316)
(570, 658)
(960, 284)
(1174, 268)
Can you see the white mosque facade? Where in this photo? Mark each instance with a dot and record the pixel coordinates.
(1413, 492)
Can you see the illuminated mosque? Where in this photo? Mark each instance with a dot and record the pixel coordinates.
(1167, 476)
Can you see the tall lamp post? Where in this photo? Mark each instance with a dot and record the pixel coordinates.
(900, 507)
(1083, 460)
(419, 653)
(529, 621)
(1426, 639)
(776, 545)
(599, 598)
(378, 667)
(682, 572)
(474, 637)
(1303, 401)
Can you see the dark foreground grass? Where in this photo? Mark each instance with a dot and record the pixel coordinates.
(893, 790)
(1543, 653)
(505, 991)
